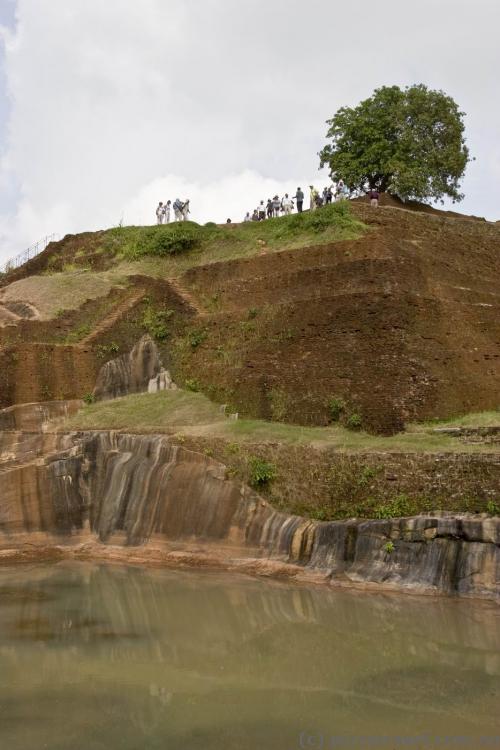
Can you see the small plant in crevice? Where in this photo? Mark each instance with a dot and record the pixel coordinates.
(89, 398)
(492, 508)
(279, 404)
(389, 548)
(261, 472)
(191, 384)
(197, 337)
(155, 321)
(354, 422)
(367, 474)
(336, 407)
(103, 350)
(397, 507)
(45, 392)
(80, 333)
(231, 472)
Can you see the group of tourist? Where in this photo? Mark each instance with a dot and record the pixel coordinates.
(284, 206)
(180, 208)
(275, 206)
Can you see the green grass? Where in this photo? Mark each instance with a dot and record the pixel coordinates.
(166, 411)
(181, 246)
(477, 419)
(178, 411)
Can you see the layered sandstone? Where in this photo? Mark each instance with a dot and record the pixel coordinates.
(146, 499)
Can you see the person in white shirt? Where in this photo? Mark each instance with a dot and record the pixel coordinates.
(287, 204)
(160, 213)
(166, 211)
(247, 217)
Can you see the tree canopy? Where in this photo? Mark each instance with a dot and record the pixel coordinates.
(407, 142)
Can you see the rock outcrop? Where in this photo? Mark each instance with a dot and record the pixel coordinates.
(138, 371)
(145, 499)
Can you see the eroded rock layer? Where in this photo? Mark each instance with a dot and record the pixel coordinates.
(145, 499)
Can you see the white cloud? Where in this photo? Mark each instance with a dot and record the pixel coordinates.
(118, 104)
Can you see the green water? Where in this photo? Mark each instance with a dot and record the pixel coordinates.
(95, 657)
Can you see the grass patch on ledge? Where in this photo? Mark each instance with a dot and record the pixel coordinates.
(166, 411)
(183, 245)
(195, 415)
(476, 419)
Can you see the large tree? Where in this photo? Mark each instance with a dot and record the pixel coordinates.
(407, 142)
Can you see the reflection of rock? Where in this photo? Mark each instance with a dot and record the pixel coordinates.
(136, 372)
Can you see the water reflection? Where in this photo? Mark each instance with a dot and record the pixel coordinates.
(94, 656)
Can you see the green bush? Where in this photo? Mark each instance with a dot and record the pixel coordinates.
(171, 239)
(155, 322)
(89, 398)
(493, 508)
(354, 422)
(103, 350)
(389, 548)
(191, 384)
(80, 333)
(196, 338)
(261, 472)
(397, 507)
(336, 407)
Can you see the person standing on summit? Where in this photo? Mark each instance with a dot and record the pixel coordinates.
(160, 215)
(287, 204)
(313, 197)
(299, 197)
(178, 206)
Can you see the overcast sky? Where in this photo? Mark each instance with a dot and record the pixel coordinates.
(108, 107)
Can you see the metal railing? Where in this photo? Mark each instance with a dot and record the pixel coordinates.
(28, 254)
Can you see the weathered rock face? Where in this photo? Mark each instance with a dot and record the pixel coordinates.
(139, 370)
(145, 499)
(36, 417)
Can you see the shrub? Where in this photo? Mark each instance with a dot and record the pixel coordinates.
(196, 338)
(80, 333)
(354, 422)
(103, 350)
(389, 548)
(191, 384)
(89, 398)
(336, 407)
(155, 322)
(261, 472)
(397, 507)
(493, 508)
(172, 239)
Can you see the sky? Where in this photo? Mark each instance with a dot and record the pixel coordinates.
(108, 108)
